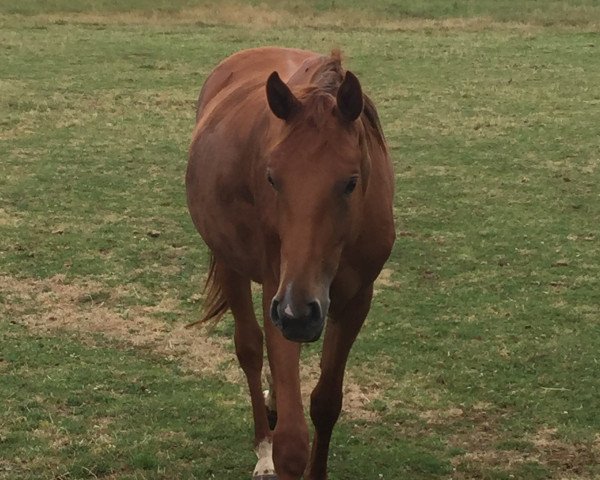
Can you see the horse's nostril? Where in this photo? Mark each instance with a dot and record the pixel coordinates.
(275, 311)
(283, 312)
(315, 310)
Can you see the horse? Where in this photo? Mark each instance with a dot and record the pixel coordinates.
(290, 185)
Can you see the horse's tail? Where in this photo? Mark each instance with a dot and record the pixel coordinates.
(215, 304)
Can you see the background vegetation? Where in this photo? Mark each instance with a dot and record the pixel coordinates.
(480, 356)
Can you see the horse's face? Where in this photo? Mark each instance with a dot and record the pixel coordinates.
(317, 175)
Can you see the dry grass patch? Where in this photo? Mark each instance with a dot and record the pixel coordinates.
(73, 307)
(263, 17)
(570, 458)
(56, 437)
(384, 280)
(85, 308)
(477, 433)
(8, 219)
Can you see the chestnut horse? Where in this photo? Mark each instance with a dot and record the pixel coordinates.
(290, 185)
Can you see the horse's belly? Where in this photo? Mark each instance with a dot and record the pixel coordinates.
(221, 207)
(235, 242)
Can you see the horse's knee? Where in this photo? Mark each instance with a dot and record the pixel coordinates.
(325, 408)
(290, 451)
(249, 349)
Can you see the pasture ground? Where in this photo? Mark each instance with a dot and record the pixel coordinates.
(480, 356)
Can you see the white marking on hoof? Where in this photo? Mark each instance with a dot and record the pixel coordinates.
(270, 400)
(264, 452)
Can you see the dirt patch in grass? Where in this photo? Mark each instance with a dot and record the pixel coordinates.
(8, 219)
(572, 458)
(384, 280)
(477, 431)
(56, 437)
(436, 417)
(87, 308)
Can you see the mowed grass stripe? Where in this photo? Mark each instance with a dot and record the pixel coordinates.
(390, 14)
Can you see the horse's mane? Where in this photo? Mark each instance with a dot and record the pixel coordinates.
(323, 87)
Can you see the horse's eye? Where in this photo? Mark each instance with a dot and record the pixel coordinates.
(270, 179)
(350, 186)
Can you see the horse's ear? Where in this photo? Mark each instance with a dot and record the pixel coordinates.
(282, 101)
(350, 97)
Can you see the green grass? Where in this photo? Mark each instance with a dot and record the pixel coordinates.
(71, 411)
(485, 335)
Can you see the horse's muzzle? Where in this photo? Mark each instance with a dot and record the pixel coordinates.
(304, 327)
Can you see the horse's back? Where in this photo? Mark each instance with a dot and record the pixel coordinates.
(251, 66)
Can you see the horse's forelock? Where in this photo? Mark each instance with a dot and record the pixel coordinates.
(318, 96)
(330, 75)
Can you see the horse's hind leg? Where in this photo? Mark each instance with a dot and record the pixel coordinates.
(270, 400)
(249, 351)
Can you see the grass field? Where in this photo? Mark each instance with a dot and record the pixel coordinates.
(480, 358)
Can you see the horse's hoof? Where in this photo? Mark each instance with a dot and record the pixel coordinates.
(271, 476)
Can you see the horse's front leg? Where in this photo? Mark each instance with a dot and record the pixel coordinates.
(326, 398)
(290, 438)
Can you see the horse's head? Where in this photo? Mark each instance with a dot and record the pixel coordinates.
(318, 172)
